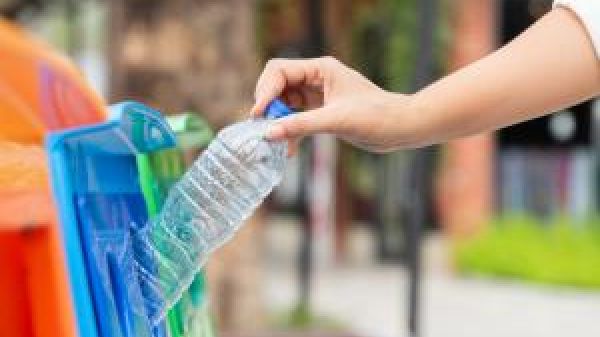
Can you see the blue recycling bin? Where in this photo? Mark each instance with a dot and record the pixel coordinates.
(101, 206)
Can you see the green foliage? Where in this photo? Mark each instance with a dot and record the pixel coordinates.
(302, 318)
(385, 42)
(403, 39)
(559, 252)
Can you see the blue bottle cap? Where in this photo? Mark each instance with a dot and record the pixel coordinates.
(277, 109)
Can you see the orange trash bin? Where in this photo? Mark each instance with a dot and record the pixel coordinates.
(39, 91)
(33, 284)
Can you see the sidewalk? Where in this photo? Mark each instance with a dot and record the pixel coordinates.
(371, 299)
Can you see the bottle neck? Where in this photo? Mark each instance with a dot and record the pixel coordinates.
(277, 109)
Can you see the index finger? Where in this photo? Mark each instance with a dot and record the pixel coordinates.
(280, 74)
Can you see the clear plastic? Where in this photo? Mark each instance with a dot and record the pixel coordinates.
(206, 207)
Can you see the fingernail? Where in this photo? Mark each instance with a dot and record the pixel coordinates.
(275, 132)
(256, 109)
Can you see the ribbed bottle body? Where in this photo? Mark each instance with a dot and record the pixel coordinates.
(206, 207)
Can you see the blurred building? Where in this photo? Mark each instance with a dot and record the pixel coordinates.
(546, 167)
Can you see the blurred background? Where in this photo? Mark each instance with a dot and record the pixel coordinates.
(495, 235)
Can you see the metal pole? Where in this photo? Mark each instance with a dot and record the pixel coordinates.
(413, 237)
(424, 72)
(314, 47)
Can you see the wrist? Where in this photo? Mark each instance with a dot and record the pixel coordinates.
(411, 122)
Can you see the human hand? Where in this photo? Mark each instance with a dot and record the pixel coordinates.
(337, 100)
(499, 90)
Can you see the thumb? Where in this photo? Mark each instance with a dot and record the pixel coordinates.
(307, 123)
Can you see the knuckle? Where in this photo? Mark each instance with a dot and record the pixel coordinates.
(292, 128)
(274, 63)
(299, 127)
(330, 61)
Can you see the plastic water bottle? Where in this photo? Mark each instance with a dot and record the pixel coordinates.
(207, 206)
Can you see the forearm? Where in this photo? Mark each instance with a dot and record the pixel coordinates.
(550, 66)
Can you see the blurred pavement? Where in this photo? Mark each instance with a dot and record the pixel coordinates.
(370, 298)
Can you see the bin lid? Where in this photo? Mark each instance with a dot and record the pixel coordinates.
(192, 130)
